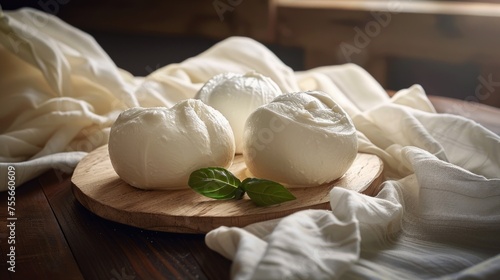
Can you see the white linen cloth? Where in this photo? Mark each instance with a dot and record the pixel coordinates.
(436, 216)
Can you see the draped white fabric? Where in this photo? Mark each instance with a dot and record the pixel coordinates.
(436, 216)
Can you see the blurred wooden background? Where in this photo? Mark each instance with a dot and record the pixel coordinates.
(451, 48)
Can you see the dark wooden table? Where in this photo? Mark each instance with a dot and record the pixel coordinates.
(57, 238)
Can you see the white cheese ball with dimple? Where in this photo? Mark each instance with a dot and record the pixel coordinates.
(158, 148)
(236, 96)
(300, 139)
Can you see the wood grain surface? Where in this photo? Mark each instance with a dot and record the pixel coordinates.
(40, 247)
(58, 238)
(99, 189)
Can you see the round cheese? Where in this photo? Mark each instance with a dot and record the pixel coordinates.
(236, 96)
(300, 139)
(158, 148)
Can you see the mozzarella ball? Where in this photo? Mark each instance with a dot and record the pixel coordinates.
(236, 96)
(158, 148)
(300, 139)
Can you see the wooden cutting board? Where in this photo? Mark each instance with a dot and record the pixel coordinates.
(98, 188)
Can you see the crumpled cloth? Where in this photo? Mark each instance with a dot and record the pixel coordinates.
(61, 92)
(437, 214)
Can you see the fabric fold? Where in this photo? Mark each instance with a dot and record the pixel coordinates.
(327, 247)
(57, 79)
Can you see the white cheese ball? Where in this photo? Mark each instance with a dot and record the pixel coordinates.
(236, 96)
(158, 148)
(300, 139)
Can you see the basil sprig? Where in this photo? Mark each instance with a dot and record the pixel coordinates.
(219, 183)
(264, 192)
(216, 183)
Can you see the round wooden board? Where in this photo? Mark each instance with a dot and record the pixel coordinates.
(98, 188)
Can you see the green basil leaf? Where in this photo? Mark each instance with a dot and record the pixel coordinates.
(215, 182)
(264, 192)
